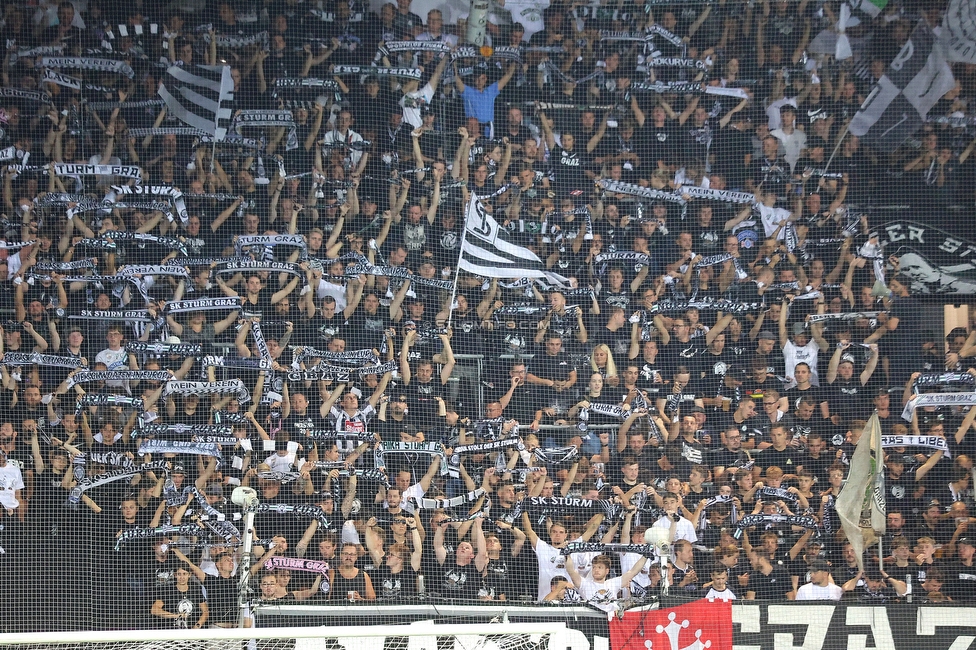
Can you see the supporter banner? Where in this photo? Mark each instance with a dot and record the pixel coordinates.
(700, 624)
(815, 625)
(938, 262)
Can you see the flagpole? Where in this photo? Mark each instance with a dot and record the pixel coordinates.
(843, 135)
(457, 267)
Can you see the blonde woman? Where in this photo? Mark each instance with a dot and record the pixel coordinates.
(601, 361)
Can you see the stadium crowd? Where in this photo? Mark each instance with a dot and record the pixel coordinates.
(708, 324)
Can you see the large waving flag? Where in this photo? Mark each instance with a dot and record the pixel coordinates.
(959, 31)
(861, 503)
(199, 96)
(899, 103)
(489, 252)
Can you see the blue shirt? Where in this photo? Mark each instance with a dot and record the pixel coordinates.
(480, 104)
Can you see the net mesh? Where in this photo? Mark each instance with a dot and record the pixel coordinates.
(449, 287)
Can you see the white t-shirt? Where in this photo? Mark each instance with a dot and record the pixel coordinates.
(415, 491)
(529, 14)
(602, 595)
(794, 354)
(552, 563)
(685, 530)
(722, 595)
(413, 102)
(811, 591)
(11, 480)
(771, 218)
(791, 144)
(114, 360)
(642, 579)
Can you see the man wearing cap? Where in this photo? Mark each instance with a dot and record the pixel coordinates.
(961, 572)
(846, 395)
(821, 585)
(767, 350)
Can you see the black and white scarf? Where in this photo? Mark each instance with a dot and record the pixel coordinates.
(29, 95)
(930, 442)
(938, 400)
(88, 376)
(72, 169)
(130, 315)
(37, 359)
(327, 372)
(181, 349)
(183, 530)
(181, 428)
(270, 241)
(767, 521)
(86, 63)
(160, 446)
(95, 399)
(201, 388)
(201, 304)
(400, 73)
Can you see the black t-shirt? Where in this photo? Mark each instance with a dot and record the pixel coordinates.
(567, 168)
(787, 460)
(459, 581)
(556, 367)
(394, 586)
(773, 586)
(660, 143)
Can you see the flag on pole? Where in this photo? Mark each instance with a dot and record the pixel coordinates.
(696, 625)
(199, 96)
(861, 503)
(958, 34)
(488, 251)
(899, 103)
(872, 8)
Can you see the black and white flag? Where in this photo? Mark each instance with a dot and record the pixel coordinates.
(200, 96)
(900, 101)
(488, 252)
(958, 34)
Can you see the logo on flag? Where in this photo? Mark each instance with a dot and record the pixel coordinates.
(695, 626)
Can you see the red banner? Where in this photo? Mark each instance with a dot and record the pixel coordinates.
(695, 626)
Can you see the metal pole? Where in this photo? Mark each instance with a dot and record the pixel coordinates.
(243, 584)
(457, 267)
(836, 147)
